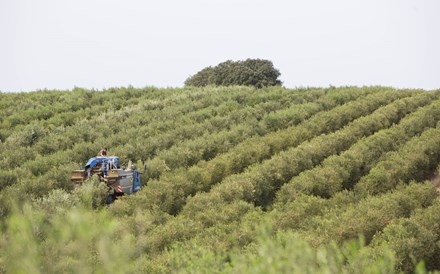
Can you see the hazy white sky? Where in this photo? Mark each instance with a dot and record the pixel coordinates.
(59, 44)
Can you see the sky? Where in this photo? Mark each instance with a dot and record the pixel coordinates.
(97, 44)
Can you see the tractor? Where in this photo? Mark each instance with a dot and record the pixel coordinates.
(120, 180)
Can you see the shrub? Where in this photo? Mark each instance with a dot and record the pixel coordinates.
(92, 193)
(410, 242)
(74, 241)
(7, 178)
(283, 252)
(370, 215)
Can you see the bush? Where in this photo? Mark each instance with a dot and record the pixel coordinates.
(410, 242)
(283, 252)
(369, 216)
(251, 72)
(7, 178)
(92, 193)
(74, 241)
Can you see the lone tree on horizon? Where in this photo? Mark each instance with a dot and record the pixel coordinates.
(251, 72)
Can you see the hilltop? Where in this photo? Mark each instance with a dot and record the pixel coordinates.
(238, 180)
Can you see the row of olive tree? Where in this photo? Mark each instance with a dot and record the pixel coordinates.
(171, 190)
(344, 170)
(227, 196)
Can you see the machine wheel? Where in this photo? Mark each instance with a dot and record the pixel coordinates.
(111, 198)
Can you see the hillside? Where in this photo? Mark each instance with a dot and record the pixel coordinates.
(239, 180)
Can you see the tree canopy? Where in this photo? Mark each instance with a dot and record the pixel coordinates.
(251, 72)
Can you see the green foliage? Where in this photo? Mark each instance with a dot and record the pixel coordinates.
(7, 178)
(288, 253)
(413, 239)
(28, 136)
(369, 216)
(76, 241)
(92, 193)
(202, 78)
(220, 162)
(416, 160)
(341, 171)
(259, 183)
(251, 72)
(410, 242)
(283, 252)
(171, 190)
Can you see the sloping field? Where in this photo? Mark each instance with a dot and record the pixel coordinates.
(238, 180)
